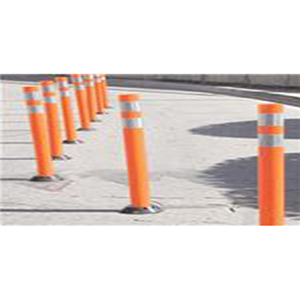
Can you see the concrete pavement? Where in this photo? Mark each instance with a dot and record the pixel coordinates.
(202, 157)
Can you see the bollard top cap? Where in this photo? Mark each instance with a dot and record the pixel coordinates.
(270, 108)
(61, 79)
(129, 97)
(30, 88)
(76, 75)
(47, 82)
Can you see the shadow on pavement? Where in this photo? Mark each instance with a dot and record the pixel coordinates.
(120, 176)
(116, 176)
(239, 176)
(246, 129)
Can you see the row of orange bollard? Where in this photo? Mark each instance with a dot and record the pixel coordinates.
(92, 100)
(45, 120)
(91, 97)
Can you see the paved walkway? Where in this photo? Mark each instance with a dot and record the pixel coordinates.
(202, 156)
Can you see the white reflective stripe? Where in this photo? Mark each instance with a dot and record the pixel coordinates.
(130, 106)
(47, 88)
(63, 84)
(50, 100)
(30, 96)
(132, 123)
(35, 109)
(270, 120)
(89, 83)
(77, 80)
(65, 93)
(271, 140)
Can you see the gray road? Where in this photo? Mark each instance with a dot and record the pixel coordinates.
(202, 157)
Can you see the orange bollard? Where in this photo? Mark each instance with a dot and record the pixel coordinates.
(99, 94)
(82, 104)
(104, 90)
(69, 121)
(38, 125)
(136, 157)
(91, 96)
(271, 186)
(52, 112)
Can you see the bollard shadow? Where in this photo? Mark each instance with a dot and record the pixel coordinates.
(116, 176)
(16, 210)
(239, 177)
(246, 129)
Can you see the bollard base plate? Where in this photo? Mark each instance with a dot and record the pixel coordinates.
(73, 142)
(96, 121)
(46, 178)
(63, 157)
(86, 129)
(152, 209)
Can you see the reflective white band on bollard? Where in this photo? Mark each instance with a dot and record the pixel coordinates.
(271, 140)
(132, 123)
(130, 106)
(271, 120)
